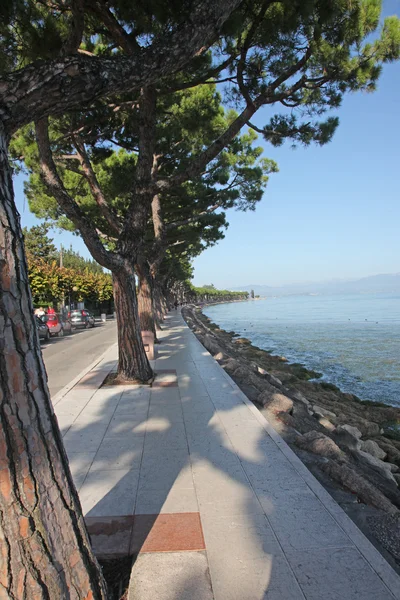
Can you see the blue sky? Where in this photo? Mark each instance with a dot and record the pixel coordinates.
(330, 212)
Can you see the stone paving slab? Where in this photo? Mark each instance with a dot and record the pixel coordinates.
(190, 476)
(171, 576)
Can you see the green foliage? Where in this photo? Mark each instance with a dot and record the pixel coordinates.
(211, 287)
(32, 30)
(73, 260)
(49, 282)
(187, 123)
(211, 294)
(38, 244)
(304, 57)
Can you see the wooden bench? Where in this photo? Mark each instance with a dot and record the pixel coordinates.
(148, 342)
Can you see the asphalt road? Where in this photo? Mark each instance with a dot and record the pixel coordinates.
(66, 357)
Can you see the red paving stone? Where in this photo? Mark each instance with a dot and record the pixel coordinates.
(122, 535)
(167, 533)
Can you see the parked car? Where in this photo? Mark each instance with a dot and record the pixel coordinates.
(42, 329)
(81, 318)
(57, 325)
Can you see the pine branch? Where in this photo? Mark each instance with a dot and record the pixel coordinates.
(95, 188)
(70, 207)
(198, 166)
(208, 77)
(52, 87)
(246, 47)
(75, 35)
(117, 32)
(194, 218)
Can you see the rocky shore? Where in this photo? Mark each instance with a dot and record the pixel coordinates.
(345, 442)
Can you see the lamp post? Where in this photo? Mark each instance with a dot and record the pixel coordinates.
(74, 289)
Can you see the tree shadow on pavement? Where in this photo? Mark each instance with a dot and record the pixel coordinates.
(197, 448)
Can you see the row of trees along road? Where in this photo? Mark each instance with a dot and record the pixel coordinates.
(115, 110)
(56, 276)
(209, 293)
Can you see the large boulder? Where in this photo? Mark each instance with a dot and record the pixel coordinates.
(270, 378)
(275, 402)
(250, 391)
(372, 448)
(241, 341)
(368, 429)
(348, 437)
(318, 443)
(296, 395)
(380, 467)
(353, 431)
(301, 410)
(357, 484)
(319, 411)
(393, 454)
(326, 423)
(231, 365)
(246, 375)
(211, 344)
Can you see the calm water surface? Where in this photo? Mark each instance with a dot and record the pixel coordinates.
(353, 340)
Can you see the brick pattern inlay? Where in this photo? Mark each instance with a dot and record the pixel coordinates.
(169, 532)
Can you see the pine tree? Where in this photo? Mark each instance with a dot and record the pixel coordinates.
(38, 244)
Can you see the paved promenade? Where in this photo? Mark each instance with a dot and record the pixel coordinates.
(191, 477)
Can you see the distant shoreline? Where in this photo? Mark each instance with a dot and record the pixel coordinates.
(355, 343)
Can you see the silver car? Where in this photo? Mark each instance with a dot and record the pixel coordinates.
(81, 318)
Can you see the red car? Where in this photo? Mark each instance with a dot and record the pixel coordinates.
(57, 325)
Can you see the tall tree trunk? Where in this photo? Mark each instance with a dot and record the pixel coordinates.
(159, 249)
(159, 300)
(45, 550)
(132, 362)
(145, 300)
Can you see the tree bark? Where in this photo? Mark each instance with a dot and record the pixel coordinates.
(159, 302)
(133, 364)
(145, 301)
(44, 547)
(158, 253)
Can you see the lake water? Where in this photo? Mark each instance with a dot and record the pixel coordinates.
(354, 341)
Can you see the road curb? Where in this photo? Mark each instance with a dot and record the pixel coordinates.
(74, 381)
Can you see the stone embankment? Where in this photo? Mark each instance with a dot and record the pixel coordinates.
(339, 437)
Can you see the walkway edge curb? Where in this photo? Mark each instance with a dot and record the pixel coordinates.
(374, 558)
(64, 391)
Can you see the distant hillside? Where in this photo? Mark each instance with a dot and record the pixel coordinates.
(375, 284)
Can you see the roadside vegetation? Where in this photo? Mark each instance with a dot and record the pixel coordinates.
(61, 279)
